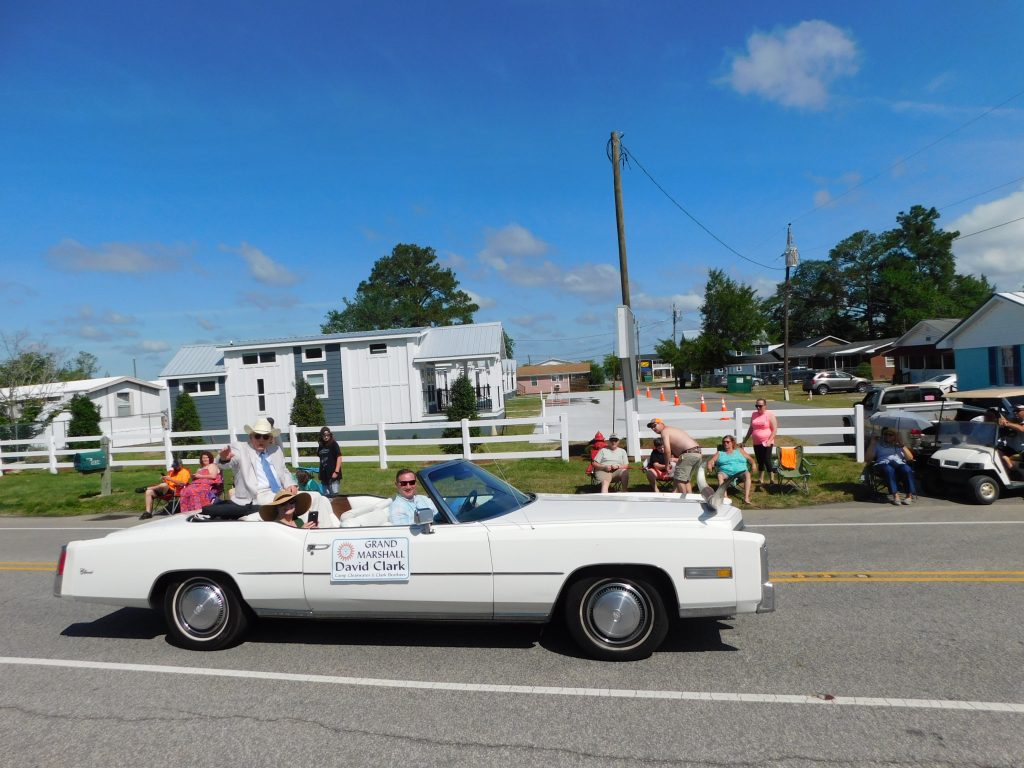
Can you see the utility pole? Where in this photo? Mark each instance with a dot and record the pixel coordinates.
(620, 223)
(674, 315)
(792, 256)
(624, 314)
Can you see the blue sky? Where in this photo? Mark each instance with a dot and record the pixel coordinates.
(202, 172)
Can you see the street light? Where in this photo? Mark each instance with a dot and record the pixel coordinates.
(792, 255)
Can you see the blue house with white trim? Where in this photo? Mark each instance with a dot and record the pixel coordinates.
(398, 375)
(988, 344)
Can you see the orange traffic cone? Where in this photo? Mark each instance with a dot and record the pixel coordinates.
(703, 405)
(648, 393)
(662, 396)
(638, 391)
(675, 400)
(725, 411)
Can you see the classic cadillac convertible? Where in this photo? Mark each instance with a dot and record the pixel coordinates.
(616, 568)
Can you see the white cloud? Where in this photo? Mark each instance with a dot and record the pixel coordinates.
(996, 253)
(87, 323)
(794, 67)
(263, 268)
(593, 281)
(512, 247)
(115, 257)
(822, 198)
(542, 321)
(484, 302)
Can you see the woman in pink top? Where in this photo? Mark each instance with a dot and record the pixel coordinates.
(763, 426)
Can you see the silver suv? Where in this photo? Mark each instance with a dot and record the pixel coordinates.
(823, 382)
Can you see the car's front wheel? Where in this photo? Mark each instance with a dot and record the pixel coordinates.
(204, 613)
(822, 389)
(862, 387)
(616, 619)
(985, 489)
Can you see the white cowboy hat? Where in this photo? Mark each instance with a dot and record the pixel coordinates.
(262, 427)
(272, 511)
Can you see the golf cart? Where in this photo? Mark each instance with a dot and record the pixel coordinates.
(969, 457)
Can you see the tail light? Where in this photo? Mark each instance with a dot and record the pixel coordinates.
(60, 560)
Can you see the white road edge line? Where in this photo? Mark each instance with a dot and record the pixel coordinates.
(537, 690)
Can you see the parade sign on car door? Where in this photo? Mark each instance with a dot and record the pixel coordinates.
(376, 559)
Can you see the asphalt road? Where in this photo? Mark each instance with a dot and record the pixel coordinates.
(907, 663)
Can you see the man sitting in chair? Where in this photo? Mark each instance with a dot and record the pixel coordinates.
(612, 465)
(656, 468)
(177, 477)
(732, 462)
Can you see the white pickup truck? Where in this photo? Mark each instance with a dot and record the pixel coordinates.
(910, 408)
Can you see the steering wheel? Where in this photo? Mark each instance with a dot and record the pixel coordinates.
(470, 503)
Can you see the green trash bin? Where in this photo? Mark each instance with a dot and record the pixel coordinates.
(739, 383)
(90, 461)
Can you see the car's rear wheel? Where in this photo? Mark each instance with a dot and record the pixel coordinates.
(204, 613)
(822, 389)
(984, 488)
(616, 619)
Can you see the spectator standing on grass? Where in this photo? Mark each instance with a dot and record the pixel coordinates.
(763, 428)
(682, 451)
(611, 465)
(329, 453)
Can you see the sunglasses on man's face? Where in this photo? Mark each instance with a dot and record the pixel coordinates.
(407, 482)
(260, 437)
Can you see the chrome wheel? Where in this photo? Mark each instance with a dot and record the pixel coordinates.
(203, 613)
(615, 618)
(986, 490)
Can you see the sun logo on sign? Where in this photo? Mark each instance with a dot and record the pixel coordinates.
(346, 551)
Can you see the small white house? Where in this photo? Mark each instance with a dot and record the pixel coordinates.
(130, 408)
(989, 343)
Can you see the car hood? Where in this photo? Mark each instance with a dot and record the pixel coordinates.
(617, 507)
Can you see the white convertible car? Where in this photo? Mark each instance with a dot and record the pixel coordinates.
(616, 568)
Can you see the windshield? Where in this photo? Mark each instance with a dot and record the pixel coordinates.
(470, 493)
(977, 433)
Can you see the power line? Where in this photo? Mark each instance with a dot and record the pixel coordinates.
(912, 155)
(630, 157)
(989, 229)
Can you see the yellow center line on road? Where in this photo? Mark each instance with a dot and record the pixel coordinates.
(864, 577)
(24, 565)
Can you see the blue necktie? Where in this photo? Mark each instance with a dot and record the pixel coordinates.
(274, 485)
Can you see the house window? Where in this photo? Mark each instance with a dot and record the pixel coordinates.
(378, 349)
(313, 353)
(533, 381)
(202, 387)
(124, 403)
(889, 362)
(260, 357)
(261, 400)
(318, 381)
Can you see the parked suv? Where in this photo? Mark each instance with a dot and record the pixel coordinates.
(823, 382)
(796, 375)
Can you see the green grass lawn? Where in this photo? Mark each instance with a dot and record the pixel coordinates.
(36, 492)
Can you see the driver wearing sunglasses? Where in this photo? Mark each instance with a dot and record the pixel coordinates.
(403, 507)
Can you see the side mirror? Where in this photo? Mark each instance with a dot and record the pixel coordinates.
(424, 516)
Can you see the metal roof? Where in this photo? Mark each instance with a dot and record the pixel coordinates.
(194, 360)
(459, 342)
(320, 338)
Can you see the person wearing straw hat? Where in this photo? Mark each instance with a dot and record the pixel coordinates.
(288, 508)
(259, 471)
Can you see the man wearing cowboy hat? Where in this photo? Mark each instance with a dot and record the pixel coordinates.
(288, 508)
(259, 471)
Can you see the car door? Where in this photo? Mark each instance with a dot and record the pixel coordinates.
(400, 571)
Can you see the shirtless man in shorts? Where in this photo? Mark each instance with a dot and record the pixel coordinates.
(683, 453)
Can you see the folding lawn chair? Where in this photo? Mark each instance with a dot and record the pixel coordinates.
(793, 470)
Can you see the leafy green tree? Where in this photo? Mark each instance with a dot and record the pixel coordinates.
(85, 420)
(407, 289)
(84, 366)
(461, 405)
(24, 363)
(510, 345)
(596, 374)
(732, 320)
(610, 365)
(185, 419)
(307, 410)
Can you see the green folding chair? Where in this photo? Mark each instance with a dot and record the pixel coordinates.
(793, 470)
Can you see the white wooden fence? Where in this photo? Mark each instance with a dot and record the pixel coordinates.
(714, 424)
(551, 440)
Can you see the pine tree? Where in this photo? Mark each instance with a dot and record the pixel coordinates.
(85, 420)
(186, 419)
(462, 405)
(307, 410)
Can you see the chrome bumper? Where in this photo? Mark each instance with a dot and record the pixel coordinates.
(767, 604)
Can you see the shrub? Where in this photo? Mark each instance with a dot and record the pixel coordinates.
(307, 410)
(462, 405)
(186, 419)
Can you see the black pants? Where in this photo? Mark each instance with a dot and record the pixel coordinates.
(228, 509)
(763, 454)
